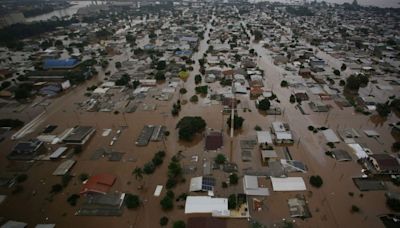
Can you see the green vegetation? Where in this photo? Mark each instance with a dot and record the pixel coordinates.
(118, 65)
(160, 76)
(182, 91)
(257, 35)
(179, 224)
(123, 80)
(194, 98)
(83, 177)
(264, 104)
(232, 201)
(10, 35)
(354, 82)
(21, 178)
(203, 90)
(354, 209)
(343, 67)
(393, 204)
(237, 122)
(149, 168)
(396, 146)
(73, 199)
(299, 11)
(316, 181)
(336, 72)
(284, 83)
(164, 221)
(292, 99)
(167, 203)
(135, 84)
(220, 159)
(233, 179)
(383, 109)
(189, 126)
(56, 188)
(257, 128)
(138, 172)
(132, 201)
(197, 79)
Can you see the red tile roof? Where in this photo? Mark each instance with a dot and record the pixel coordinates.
(214, 141)
(100, 183)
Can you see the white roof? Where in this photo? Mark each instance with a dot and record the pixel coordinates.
(58, 152)
(14, 224)
(278, 126)
(196, 184)
(288, 184)
(250, 187)
(205, 204)
(101, 90)
(158, 190)
(283, 135)
(269, 154)
(264, 137)
(358, 150)
(330, 136)
(371, 133)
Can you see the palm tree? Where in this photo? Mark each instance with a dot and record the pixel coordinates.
(138, 172)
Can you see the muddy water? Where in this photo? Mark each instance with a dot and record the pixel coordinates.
(329, 205)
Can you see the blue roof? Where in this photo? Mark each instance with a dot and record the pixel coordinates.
(59, 63)
(183, 53)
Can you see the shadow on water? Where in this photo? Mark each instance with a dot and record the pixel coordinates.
(377, 120)
(196, 140)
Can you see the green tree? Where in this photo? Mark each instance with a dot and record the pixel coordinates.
(264, 104)
(118, 65)
(343, 67)
(174, 169)
(237, 122)
(167, 203)
(194, 98)
(56, 188)
(138, 172)
(383, 109)
(220, 159)
(336, 72)
(179, 224)
(160, 76)
(232, 201)
(316, 181)
(190, 125)
(135, 84)
(284, 83)
(233, 179)
(149, 168)
(132, 201)
(292, 99)
(197, 79)
(393, 204)
(182, 91)
(164, 221)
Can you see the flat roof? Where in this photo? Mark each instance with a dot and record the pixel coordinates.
(251, 186)
(288, 184)
(205, 204)
(264, 137)
(330, 136)
(64, 167)
(79, 134)
(158, 190)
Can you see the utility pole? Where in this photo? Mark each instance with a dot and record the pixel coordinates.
(233, 102)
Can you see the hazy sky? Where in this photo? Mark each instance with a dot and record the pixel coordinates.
(380, 3)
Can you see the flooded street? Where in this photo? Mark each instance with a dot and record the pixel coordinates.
(330, 205)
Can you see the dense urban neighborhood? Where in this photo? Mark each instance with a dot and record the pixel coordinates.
(199, 113)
